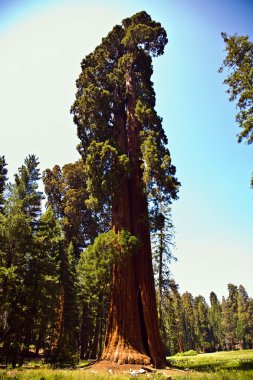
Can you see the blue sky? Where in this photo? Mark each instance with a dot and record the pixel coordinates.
(42, 44)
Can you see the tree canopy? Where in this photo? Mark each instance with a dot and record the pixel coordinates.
(239, 63)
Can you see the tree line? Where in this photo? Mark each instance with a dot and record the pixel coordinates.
(54, 295)
(55, 264)
(192, 323)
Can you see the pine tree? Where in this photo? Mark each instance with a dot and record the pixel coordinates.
(250, 325)
(48, 242)
(3, 180)
(243, 322)
(16, 248)
(161, 242)
(215, 322)
(124, 152)
(202, 324)
(21, 260)
(190, 338)
(26, 188)
(168, 332)
(65, 340)
(230, 317)
(239, 62)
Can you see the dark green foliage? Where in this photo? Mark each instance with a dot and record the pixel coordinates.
(239, 62)
(26, 188)
(215, 319)
(66, 346)
(192, 324)
(162, 235)
(172, 320)
(94, 277)
(202, 328)
(230, 317)
(101, 95)
(3, 180)
(49, 239)
(20, 261)
(243, 329)
(190, 333)
(67, 195)
(29, 267)
(16, 260)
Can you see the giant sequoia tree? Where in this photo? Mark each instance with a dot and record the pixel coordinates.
(127, 164)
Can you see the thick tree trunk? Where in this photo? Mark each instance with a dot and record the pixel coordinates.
(132, 328)
(85, 332)
(58, 322)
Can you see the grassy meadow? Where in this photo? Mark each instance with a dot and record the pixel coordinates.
(234, 365)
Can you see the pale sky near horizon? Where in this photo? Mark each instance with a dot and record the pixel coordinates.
(42, 44)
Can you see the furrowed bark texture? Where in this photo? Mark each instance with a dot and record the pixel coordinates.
(132, 328)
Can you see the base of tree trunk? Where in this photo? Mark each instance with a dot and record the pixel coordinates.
(126, 356)
(121, 352)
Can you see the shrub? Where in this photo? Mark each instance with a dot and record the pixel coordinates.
(187, 353)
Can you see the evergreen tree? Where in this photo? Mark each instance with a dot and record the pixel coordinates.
(49, 238)
(202, 329)
(250, 323)
(161, 242)
(3, 180)
(215, 322)
(243, 322)
(124, 152)
(23, 263)
(16, 248)
(26, 188)
(190, 338)
(64, 347)
(230, 317)
(170, 320)
(67, 195)
(94, 285)
(239, 62)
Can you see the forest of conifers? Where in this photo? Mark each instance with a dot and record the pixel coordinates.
(54, 303)
(88, 275)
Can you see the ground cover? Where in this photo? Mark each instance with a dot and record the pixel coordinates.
(235, 365)
(229, 365)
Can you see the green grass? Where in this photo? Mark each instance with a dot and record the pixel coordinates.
(51, 374)
(236, 365)
(233, 365)
(222, 375)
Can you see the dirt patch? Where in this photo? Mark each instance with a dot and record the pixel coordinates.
(126, 369)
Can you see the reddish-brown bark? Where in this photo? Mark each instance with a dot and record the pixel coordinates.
(58, 321)
(132, 328)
